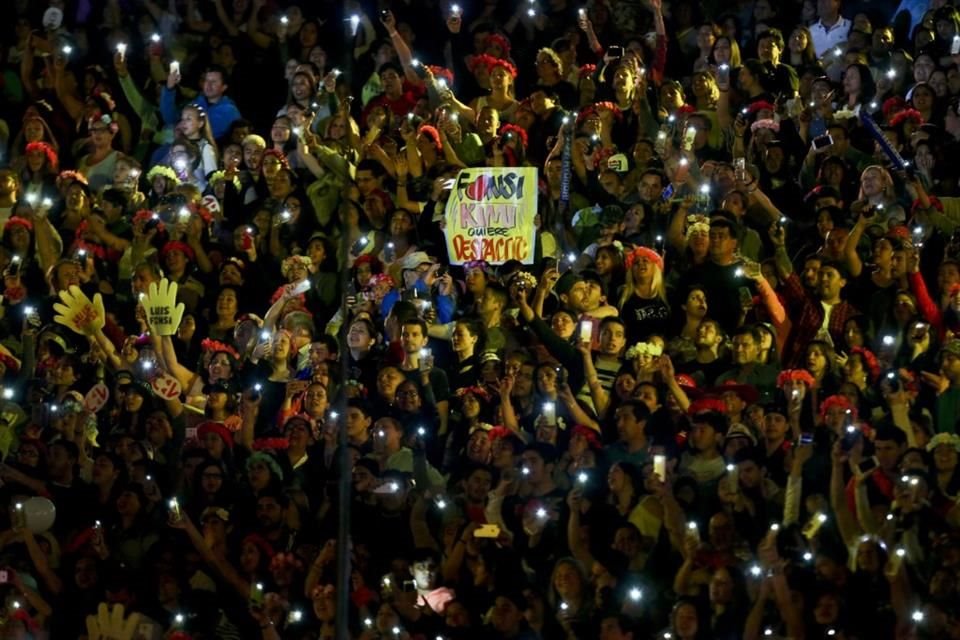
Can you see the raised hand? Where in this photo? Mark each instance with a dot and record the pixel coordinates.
(78, 313)
(110, 623)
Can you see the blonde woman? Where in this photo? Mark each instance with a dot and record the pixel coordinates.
(643, 305)
(706, 95)
(877, 196)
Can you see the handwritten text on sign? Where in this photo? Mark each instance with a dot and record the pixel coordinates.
(490, 215)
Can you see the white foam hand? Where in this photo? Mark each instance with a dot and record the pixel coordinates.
(78, 313)
(163, 312)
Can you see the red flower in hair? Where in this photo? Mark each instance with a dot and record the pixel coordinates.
(441, 72)
(587, 70)
(891, 105)
(907, 114)
(521, 134)
(18, 221)
(838, 400)
(47, 150)
(279, 155)
(208, 345)
(685, 110)
(500, 41)
(70, 174)
(479, 392)
(145, 215)
(869, 361)
(434, 136)
(493, 63)
(479, 61)
(754, 107)
(796, 374)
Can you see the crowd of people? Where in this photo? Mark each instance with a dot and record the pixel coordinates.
(719, 401)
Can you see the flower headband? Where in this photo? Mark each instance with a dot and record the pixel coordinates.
(698, 227)
(702, 405)
(587, 70)
(644, 252)
(907, 114)
(521, 134)
(502, 42)
(381, 278)
(479, 392)
(644, 349)
(17, 221)
(208, 345)
(47, 150)
(441, 73)
(951, 439)
(765, 123)
(216, 176)
(840, 401)
(493, 63)
(145, 215)
(289, 264)
(103, 118)
(799, 375)
(527, 279)
(595, 109)
(161, 170)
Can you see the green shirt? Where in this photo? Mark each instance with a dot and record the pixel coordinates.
(948, 410)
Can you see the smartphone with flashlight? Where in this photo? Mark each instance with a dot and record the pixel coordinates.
(867, 465)
(256, 595)
(660, 467)
(822, 142)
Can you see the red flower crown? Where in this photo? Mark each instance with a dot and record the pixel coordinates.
(209, 345)
(796, 374)
(47, 150)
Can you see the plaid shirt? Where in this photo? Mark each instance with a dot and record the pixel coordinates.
(806, 313)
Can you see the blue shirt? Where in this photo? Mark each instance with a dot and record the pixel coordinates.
(221, 114)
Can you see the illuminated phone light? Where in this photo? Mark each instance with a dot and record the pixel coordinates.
(334, 415)
(775, 527)
(284, 20)
(636, 594)
(731, 468)
(888, 342)
(155, 38)
(807, 556)
(756, 571)
(582, 477)
(541, 513)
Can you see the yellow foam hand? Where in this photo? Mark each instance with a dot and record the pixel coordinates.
(160, 304)
(109, 623)
(78, 313)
